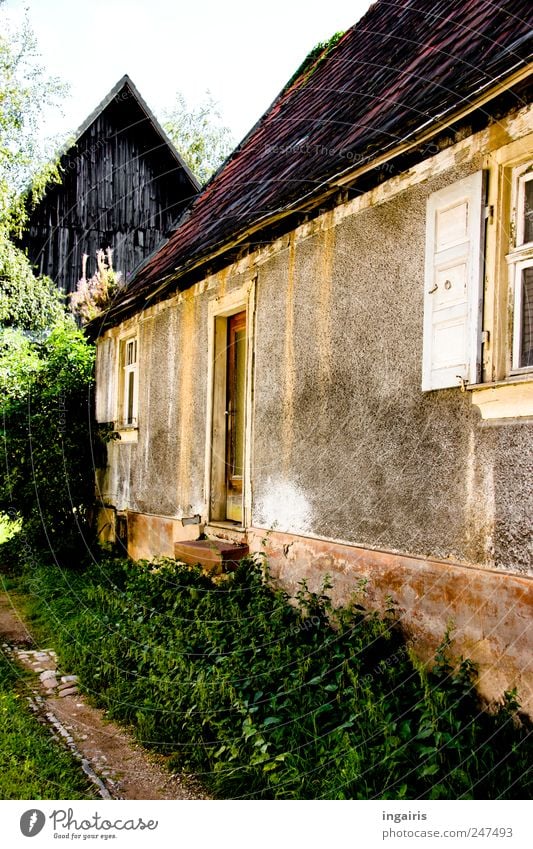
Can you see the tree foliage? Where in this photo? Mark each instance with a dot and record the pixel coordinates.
(26, 301)
(45, 427)
(198, 135)
(25, 89)
(46, 365)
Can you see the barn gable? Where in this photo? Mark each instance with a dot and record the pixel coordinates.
(123, 186)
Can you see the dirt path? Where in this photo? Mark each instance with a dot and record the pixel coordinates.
(119, 767)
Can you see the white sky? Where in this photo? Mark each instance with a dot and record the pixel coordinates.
(243, 52)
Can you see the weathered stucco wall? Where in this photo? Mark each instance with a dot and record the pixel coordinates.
(364, 456)
(161, 472)
(346, 447)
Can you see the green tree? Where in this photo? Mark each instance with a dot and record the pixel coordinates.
(198, 135)
(26, 301)
(46, 364)
(45, 429)
(25, 89)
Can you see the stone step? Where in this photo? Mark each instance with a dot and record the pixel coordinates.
(213, 555)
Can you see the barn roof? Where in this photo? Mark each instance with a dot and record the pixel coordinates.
(126, 89)
(402, 73)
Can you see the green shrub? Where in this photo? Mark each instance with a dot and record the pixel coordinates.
(266, 700)
(46, 414)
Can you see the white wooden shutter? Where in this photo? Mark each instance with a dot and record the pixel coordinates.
(453, 290)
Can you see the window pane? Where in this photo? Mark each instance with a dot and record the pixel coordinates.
(526, 331)
(131, 352)
(528, 211)
(131, 380)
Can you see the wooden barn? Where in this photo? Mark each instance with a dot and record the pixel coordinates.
(123, 186)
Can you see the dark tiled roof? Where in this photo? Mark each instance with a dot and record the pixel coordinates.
(402, 68)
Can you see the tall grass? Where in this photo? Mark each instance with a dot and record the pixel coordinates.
(267, 700)
(30, 766)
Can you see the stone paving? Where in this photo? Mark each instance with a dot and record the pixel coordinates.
(45, 663)
(118, 766)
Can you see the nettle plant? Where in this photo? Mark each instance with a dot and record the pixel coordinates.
(269, 700)
(94, 295)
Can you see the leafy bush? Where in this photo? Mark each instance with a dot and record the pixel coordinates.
(266, 700)
(27, 302)
(46, 409)
(45, 364)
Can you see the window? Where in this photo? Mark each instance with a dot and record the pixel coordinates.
(453, 290)
(129, 382)
(504, 391)
(521, 266)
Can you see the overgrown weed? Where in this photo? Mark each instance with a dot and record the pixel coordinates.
(264, 699)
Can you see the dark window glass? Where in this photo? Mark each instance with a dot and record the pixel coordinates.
(131, 380)
(528, 211)
(526, 332)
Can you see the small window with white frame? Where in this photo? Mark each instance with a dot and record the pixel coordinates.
(521, 268)
(129, 382)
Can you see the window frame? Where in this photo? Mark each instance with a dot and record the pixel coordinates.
(505, 394)
(519, 267)
(519, 258)
(521, 175)
(128, 389)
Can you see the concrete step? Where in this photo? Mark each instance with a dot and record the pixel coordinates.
(213, 555)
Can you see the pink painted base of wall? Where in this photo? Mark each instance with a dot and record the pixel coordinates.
(155, 536)
(490, 611)
(149, 537)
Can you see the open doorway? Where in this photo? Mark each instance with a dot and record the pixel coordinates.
(229, 415)
(235, 415)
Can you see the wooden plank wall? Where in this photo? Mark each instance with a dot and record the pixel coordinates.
(121, 188)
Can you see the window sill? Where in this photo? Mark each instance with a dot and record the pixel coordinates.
(127, 434)
(218, 527)
(504, 399)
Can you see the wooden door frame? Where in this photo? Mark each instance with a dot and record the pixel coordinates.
(219, 311)
(231, 377)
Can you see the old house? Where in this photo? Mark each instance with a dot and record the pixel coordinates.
(123, 185)
(330, 358)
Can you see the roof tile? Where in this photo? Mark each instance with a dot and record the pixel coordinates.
(404, 65)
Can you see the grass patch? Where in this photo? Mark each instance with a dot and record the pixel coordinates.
(265, 700)
(31, 766)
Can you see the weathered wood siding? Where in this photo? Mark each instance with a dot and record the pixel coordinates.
(122, 187)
